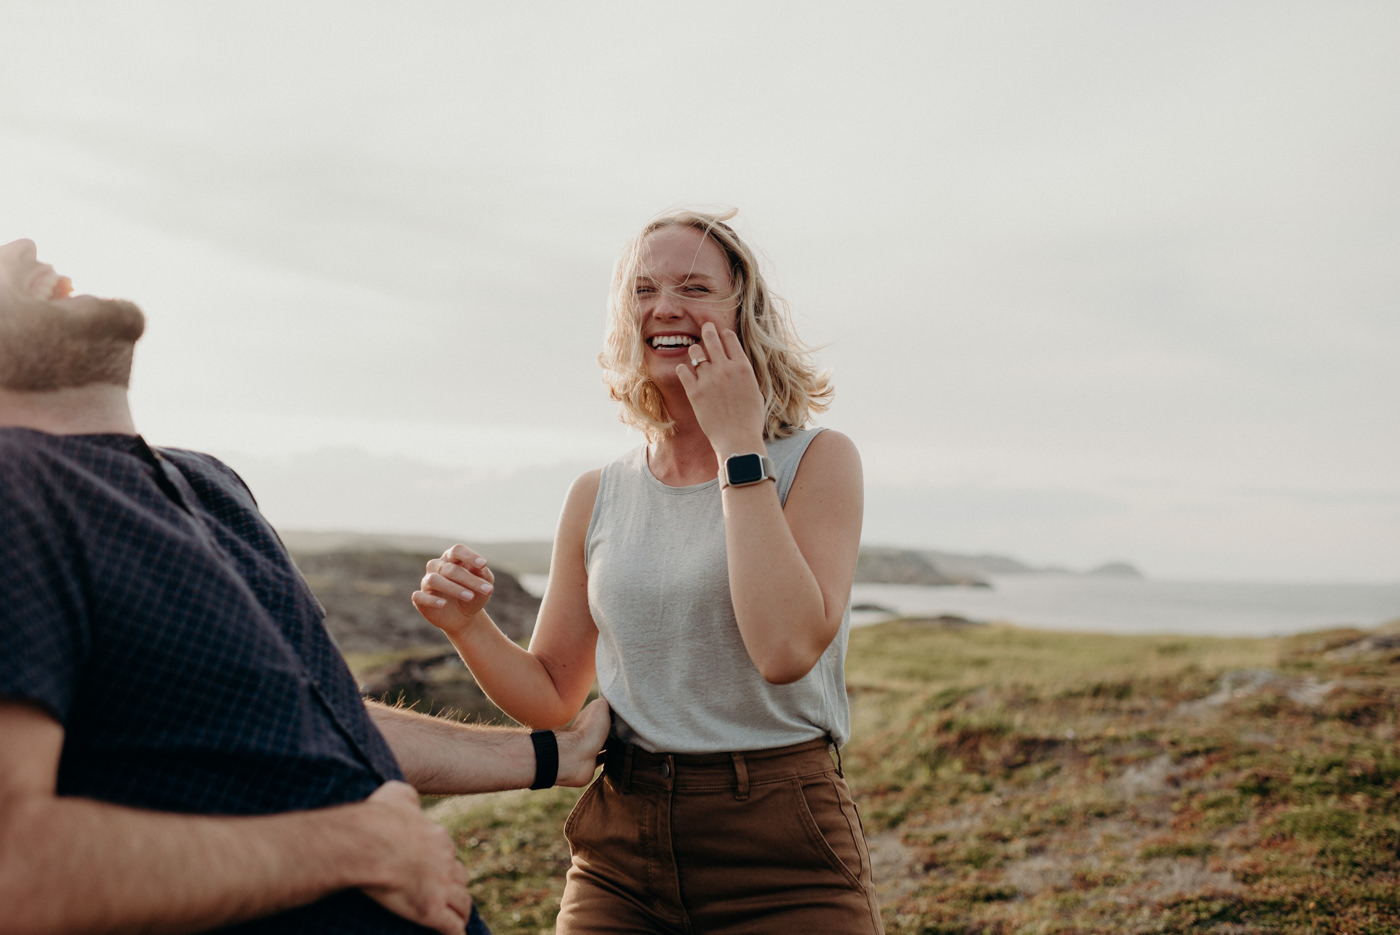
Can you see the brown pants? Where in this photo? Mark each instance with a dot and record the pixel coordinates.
(764, 842)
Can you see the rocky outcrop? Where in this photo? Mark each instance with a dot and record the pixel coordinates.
(437, 683)
(986, 565)
(366, 596)
(981, 565)
(879, 565)
(1115, 570)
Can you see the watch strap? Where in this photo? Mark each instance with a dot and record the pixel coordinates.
(546, 758)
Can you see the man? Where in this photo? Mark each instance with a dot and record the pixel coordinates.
(183, 748)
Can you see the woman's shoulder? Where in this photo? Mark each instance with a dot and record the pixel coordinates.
(828, 457)
(834, 442)
(586, 484)
(804, 442)
(631, 461)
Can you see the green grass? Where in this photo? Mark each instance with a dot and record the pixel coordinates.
(1017, 781)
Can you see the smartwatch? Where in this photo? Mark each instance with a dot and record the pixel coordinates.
(743, 470)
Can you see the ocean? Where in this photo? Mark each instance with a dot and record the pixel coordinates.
(1135, 605)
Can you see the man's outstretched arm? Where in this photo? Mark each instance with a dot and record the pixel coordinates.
(75, 865)
(442, 757)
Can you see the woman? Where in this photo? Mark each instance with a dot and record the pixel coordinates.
(704, 579)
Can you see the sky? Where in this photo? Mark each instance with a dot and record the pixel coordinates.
(1096, 281)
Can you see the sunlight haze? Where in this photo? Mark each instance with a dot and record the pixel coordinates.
(1096, 281)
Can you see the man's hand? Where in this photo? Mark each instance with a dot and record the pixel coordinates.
(148, 871)
(580, 743)
(425, 883)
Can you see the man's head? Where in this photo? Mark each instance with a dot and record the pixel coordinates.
(50, 340)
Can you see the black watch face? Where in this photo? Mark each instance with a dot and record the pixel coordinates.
(744, 469)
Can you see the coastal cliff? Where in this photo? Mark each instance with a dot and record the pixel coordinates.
(364, 583)
(878, 565)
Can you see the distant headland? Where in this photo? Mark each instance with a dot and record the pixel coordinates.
(363, 581)
(933, 568)
(876, 565)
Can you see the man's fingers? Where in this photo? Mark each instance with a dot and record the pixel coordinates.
(431, 889)
(461, 902)
(580, 743)
(449, 921)
(395, 792)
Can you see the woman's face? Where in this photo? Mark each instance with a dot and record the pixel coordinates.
(683, 283)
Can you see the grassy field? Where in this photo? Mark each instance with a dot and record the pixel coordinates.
(1017, 781)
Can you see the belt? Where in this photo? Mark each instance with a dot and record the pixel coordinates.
(626, 764)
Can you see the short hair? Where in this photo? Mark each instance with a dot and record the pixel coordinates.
(792, 386)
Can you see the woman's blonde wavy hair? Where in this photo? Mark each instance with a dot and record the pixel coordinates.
(793, 389)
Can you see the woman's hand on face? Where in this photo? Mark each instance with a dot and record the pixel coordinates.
(454, 589)
(724, 392)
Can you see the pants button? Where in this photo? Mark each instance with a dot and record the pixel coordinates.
(665, 770)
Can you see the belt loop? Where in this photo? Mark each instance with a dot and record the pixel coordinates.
(835, 748)
(741, 777)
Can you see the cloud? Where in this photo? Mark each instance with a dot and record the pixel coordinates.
(1044, 249)
(348, 489)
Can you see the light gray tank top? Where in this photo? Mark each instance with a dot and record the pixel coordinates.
(670, 658)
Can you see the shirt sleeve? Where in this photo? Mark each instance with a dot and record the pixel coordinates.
(44, 634)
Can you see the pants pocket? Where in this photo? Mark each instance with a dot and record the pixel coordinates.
(829, 815)
(577, 815)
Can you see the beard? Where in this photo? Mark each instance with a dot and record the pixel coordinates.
(46, 347)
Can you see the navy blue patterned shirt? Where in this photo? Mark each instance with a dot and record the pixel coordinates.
(177, 644)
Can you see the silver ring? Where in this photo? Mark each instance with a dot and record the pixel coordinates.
(696, 363)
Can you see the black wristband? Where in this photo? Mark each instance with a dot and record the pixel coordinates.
(546, 758)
